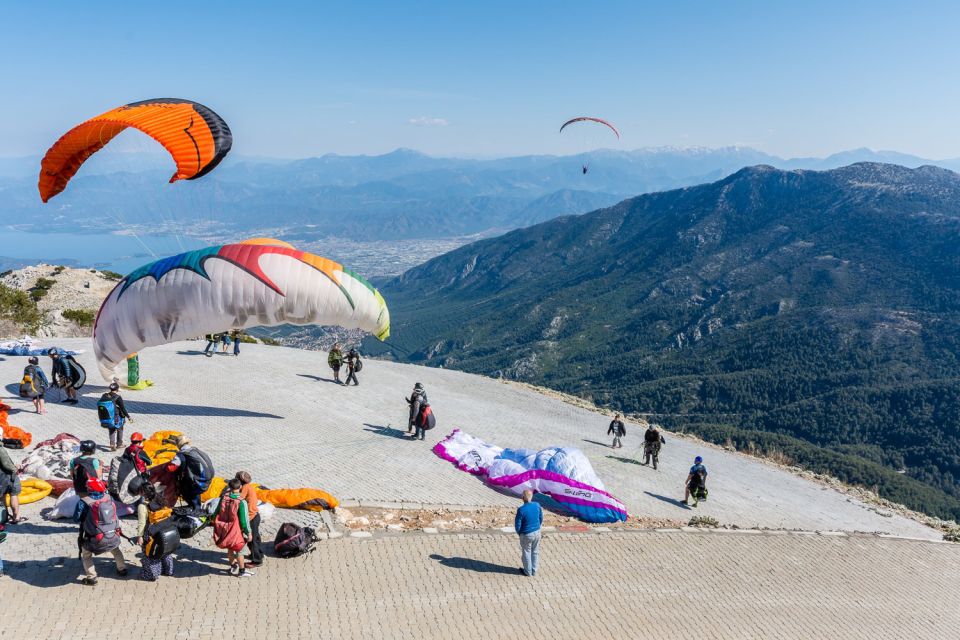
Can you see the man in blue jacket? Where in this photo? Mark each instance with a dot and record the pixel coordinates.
(527, 525)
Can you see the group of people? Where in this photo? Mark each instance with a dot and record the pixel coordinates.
(34, 383)
(224, 339)
(235, 521)
(336, 359)
(696, 483)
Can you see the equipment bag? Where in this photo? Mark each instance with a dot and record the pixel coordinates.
(358, 367)
(227, 533)
(27, 388)
(188, 521)
(164, 541)
(99, 529)
(83, 470)
(293, 540)
(13, 443)
(107, 412)
(426, 420)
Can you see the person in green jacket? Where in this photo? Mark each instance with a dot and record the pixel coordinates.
(335, 360)
(231, 528)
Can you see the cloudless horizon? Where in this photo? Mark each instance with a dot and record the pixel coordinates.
(305, 79)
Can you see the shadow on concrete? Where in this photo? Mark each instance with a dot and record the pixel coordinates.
(673, 501)
(136, 407)
(605, 445)
(318, 378)
(627, 460)
(388, 431)
(470, 564)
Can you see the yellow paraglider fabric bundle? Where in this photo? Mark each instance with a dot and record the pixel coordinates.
(160, 452)
(308, 499)
(140, 386)
(33, 489)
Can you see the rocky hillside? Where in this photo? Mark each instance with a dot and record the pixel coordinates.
(814, 313)
(67, 299)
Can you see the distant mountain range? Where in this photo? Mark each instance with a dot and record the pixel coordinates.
(399, 195)
(771, 309)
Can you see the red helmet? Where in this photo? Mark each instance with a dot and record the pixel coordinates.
(95, 485)
(136, 437)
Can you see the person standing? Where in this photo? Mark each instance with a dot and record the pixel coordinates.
(652, 439)
(212, 340)
(38, 383)
(416, 400)
(335, 360)
(231, 528)
(235, 334)
(527, 524)
(99, 530)
(618, 430)
(84, 467)
(10, 485)
(224, 341)
(696, 485)
(152, 518)
(62, 374)
(248, 493)
(113, 415)
(353, 360)
(193, 469)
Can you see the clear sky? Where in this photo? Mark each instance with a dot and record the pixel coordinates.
(496, 78)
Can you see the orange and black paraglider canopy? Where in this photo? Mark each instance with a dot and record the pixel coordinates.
(196, 137)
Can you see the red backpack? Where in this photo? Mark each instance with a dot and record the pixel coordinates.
(100, 525)
(226, 527)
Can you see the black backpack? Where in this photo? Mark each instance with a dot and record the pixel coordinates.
(82, 472)
(293, 540)
(188, 521)
(162, 541)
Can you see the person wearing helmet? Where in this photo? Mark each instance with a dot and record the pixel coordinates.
(85, 467)
(99, 530)
(416, 400)
(113, 415)
(335, 361)
(352, 360)
(136, 454)
(192, 468)
(696, 482)
(38, 384)
(62, 374)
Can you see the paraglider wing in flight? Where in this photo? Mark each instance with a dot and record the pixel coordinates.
(233, 286)
(196, 137)
(590, 119)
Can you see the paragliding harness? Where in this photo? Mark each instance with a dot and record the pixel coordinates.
(698, 486)
(358, 365)
(110, 418)
(162, 539)
(188, 521)
(198, 468)
(83, 471)
(27, 387)
(293, 540)
(98, 531)
(426, 418)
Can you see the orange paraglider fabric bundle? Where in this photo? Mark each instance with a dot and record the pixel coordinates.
(196, 137)
(11, 432)
(160, 452)
(308, 499)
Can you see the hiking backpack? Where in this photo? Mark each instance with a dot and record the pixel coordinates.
(198, 468)
(99, 528)
(108, 414)
(358, 366)
(293, 540)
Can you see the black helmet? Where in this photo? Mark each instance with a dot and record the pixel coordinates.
(136, 485)
(33, 360)
(114, 386)
(88, 446)
(418, 386)
(52, 352)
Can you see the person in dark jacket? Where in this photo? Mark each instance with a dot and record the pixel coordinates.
(696, 485)
(527, 524)
(618, 430)
(352, 359)
(416, 400)
(119, 417)
(652, 439)
(235, 334)
(39, 381)
(193, 469)
(10, 485)
(62, 374)
(212, 340)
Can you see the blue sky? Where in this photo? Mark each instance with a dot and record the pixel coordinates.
(497, 78)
